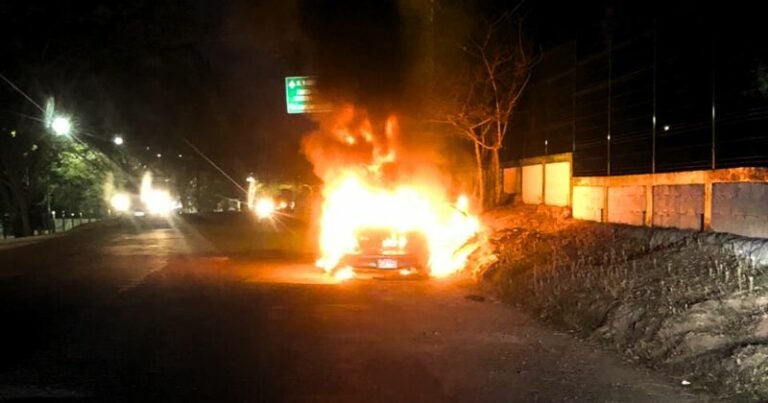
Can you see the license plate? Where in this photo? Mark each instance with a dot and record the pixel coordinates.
(386, 263)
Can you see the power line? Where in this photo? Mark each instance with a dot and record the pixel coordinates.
(213, 164)
(24, 94)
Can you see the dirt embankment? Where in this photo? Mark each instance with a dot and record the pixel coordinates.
(688, 302)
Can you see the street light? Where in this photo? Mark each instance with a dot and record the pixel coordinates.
(121, 202)
(118, 140)
(61, 126)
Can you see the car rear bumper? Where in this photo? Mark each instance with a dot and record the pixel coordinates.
(383, 262)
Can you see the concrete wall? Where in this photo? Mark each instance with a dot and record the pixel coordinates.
(679, 206)
(731, 200)
(542, 180)
(557, 187)
(588, 202)
(626, 205)
(533, 177)
(511, 180)
(740, 208)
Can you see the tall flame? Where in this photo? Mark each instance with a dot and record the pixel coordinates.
(366, 186)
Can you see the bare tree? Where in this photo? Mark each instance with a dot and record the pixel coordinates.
(483, 95)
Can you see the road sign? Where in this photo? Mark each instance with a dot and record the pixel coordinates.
(301, 95)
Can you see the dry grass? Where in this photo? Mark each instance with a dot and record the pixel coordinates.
(688, 305)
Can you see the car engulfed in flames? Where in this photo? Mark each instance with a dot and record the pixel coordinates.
(384, 208)
(402, 253)
(407, 230)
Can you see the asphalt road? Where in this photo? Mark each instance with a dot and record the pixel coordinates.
(116, 313)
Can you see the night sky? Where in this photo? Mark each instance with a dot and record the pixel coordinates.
(157, 70)
(212, 71)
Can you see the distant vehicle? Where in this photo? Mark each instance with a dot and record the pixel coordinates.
(386, 251)
(285, 201)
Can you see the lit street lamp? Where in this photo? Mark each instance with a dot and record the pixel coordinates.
(61, 126)
(118, 140)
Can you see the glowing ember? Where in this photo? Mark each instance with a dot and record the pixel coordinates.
(359, 196)
(344, 274)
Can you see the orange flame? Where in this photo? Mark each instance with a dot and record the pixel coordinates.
(344, 274)
(367, 187)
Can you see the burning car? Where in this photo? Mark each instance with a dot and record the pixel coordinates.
(385, 207)
(401, 230)
(384, 250)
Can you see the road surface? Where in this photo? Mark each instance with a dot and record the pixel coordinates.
(118, 313)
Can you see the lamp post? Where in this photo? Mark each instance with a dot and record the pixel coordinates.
(61, 125)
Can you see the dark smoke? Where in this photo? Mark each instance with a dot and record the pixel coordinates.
(358, 51)
(369, 55)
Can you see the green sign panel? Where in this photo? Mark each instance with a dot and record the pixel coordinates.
(301, 95)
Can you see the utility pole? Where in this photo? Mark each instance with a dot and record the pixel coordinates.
(610, 78)
(653, 112)
(714, 138)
